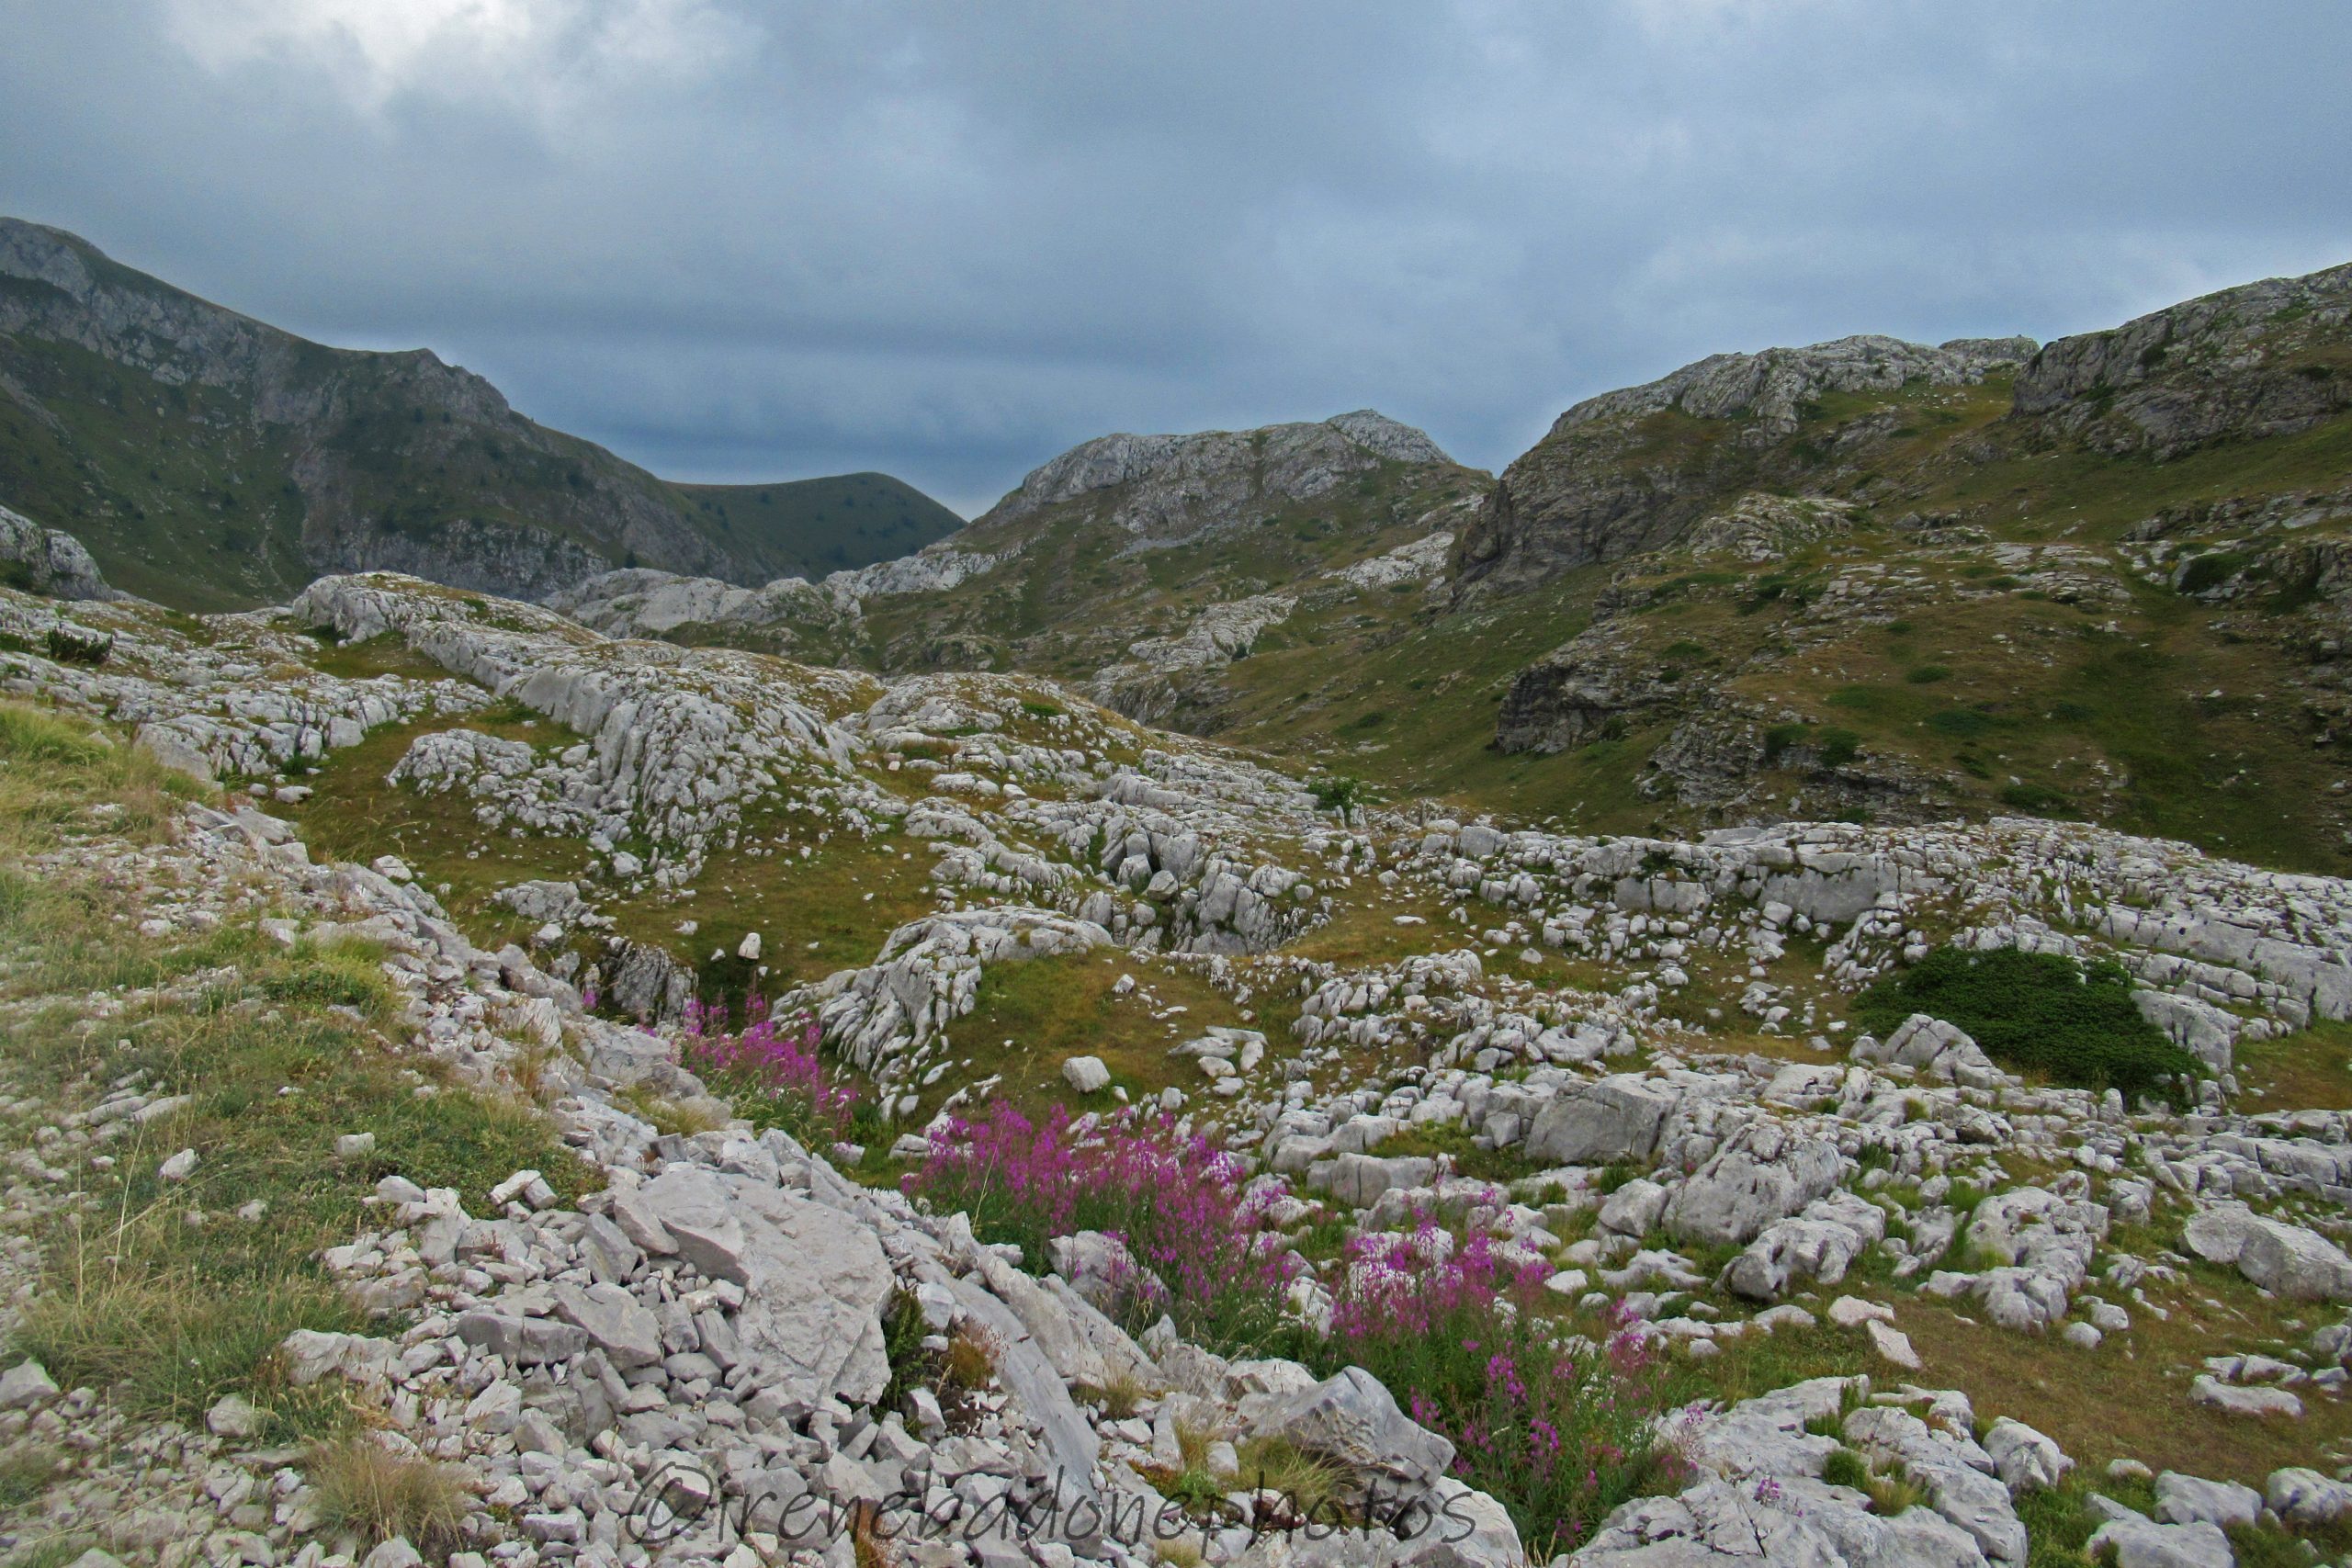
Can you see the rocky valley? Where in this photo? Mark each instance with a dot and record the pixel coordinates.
(1770, 984)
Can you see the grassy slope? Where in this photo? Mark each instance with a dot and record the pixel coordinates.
(2106, 711)
(281, 1050)
(178, 497)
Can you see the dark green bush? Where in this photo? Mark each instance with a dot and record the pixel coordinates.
(1779, 738)
(1337, 791)
(1964, 724)
(2036, 1011)
(2038, 799)
(1839, 747)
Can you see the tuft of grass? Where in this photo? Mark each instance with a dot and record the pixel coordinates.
(1123, 1395)
(1310, 1484)
(25, 1472)
(341, 972)
(54, 769)
(175, 1340)
(1844, 1467)
(364, 1489)
(969, 1362)
(670, 1116)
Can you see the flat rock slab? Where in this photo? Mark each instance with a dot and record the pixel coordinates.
(814, 1281)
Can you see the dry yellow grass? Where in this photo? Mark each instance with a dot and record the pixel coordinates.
(364, 1489)
(2128, 1398)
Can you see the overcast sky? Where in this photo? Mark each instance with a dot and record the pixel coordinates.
(737, 240)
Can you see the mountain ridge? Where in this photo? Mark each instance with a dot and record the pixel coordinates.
(208, 458)
(1887, 581)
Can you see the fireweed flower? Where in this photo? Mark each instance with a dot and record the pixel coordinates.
(1561, 1429)
(773, 1063)
(1197, 1242)
(1560, 1432)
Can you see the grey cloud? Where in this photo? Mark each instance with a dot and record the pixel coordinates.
(738, 240)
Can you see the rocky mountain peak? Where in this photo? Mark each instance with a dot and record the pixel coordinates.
(1175, 486)
(288, 457)
(1773, 386)
(2261, 359)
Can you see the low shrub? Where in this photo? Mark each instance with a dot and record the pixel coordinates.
(2038, 799)
(1962, 723)
(2051, 1014)
(1839, 747)
(1335, 791)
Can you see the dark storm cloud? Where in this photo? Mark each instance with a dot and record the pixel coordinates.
(738, 240)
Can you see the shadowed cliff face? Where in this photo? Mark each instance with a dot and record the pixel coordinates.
(2269, 359)
(207, 459)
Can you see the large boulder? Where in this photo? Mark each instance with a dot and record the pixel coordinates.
(2187, 1499)
(2306, 1497)
(2287, 1259)
(814, 1281)
(1819, 1243)
(2298, 1264)
(2041, 1231)
(1766, 1172)
(44, 560)
(1352, 1419)
(1615, 1118)
(1937, 1050)
(1963, 1482)
(1793, 1521)
(614, 1322)
(2136, 1541)
(2027, 1460)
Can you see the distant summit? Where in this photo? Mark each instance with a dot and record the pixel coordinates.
(1175, 486)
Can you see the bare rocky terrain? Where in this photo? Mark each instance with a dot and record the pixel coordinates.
(1902, 1296)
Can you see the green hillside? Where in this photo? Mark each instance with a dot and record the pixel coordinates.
(809, 527)
(211, 461)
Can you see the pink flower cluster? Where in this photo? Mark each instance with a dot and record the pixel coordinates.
(1560, 1431)
(770, 1059)
(1196, 1234)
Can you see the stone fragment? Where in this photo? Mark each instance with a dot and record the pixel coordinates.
(1353, 1418)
